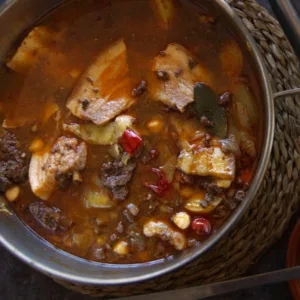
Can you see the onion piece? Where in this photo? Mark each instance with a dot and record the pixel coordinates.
(169, 168)
(97, 197)
(101, 135)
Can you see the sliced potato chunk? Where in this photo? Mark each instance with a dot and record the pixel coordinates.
(196, 204)
(101, 135)
(104, 90)
(207, 162)
(165, 11)
(33, 45)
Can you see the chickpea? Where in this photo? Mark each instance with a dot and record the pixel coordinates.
(121, 248)
(155, 125)
(13, 193)
(182, 220)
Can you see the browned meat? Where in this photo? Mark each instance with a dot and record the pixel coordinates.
(225, 99)
(67, 155)
(116, 175)
(175, 74)
(108, 75)
(49, 217)
(47, 170)
(13, 162)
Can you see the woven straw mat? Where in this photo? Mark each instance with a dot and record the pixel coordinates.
(278, 197)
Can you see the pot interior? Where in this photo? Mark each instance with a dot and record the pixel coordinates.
(29, 247)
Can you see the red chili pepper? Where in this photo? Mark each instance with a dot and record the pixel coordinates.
(201, 226)
(131, 142)
(162, 183)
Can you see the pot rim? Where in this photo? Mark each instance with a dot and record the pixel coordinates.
(161, 267)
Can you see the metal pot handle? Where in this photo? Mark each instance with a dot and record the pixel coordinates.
(286, 93)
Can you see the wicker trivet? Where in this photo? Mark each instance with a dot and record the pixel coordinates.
(278, 198)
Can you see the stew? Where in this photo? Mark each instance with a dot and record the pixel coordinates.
(130, 129)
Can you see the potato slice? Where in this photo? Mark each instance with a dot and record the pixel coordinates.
(165, 11)
(194, 204)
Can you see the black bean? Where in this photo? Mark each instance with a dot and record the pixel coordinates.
(140, 89)
(205, 122)
(192, 63)
(90, 79)
(178, 72)
(225, 99)
(240, 195)
(162, 75)
(186, 179)
(85, 103)
(203, 204)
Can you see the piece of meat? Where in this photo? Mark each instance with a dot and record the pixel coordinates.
(49, 217)
(120, 192)
(66, 156)
(35, 44)
(174, 78)
(166, 233)
(13, 162)
(116, 175)
(109, 75)
(207, 162)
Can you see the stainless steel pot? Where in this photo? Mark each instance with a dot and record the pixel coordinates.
(15, 17)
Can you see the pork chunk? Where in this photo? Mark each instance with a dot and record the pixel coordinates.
(175, 73)
(35, 44)
(104, 90)
(207, 162)
(67, 155)
(47, 169)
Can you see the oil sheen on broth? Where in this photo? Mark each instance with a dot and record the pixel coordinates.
(129, 128)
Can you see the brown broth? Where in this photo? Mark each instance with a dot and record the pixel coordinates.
(86, 28)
